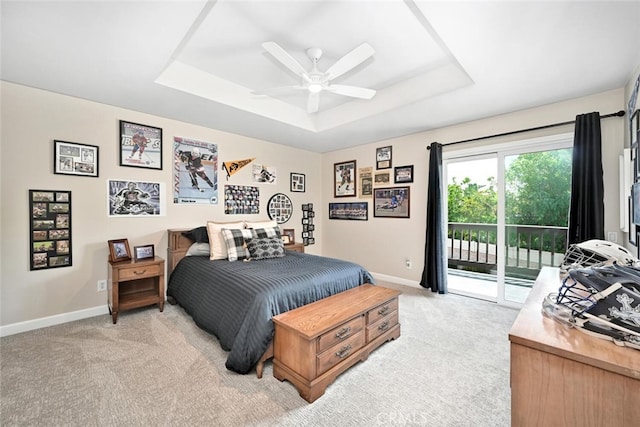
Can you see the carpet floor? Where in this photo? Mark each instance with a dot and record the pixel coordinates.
(450, 367)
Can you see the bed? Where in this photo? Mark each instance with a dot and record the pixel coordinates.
(235, 300)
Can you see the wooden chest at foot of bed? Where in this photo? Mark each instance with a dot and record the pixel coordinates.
(315, 343)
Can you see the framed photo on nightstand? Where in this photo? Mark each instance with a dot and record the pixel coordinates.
(119, 250)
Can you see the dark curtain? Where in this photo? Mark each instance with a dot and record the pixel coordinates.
(434, 275)
(586, 212)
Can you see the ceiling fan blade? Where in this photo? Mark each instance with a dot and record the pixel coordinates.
(313, 103)
(352, 91)
(277, 90)
(351, 60)
(285, 59)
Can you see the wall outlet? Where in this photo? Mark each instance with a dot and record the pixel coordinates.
(612, 236)
(407, 263)
(102, 285)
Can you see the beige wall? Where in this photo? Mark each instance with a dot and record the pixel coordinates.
(383, 244)
(31, 120)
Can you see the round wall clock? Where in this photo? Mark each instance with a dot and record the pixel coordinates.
(280, 208)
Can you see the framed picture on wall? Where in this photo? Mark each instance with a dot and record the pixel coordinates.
(381, 179)
(383, 157)
(140, 145)
(353, 211)
(297, 182)
(71, 158)
(50, 229)
(391, 202)
(403, 174)
(344, 179)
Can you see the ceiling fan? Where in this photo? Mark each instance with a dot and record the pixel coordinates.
(316, 81)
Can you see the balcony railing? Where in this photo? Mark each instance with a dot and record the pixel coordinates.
(528, 248)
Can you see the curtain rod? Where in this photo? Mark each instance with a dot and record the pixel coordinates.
(618, 114)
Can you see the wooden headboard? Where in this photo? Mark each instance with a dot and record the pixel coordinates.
(176, 248)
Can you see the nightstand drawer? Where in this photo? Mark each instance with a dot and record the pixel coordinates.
(340, 334)
(139, 272)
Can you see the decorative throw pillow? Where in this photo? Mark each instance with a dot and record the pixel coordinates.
(263, 233)
(197, 235)
(216, 241)
(264, 248)
(235, 241)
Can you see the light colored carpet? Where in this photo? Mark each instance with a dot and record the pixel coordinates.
(450, 367)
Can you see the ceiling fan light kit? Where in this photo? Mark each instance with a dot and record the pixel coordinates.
(314, 87)
(315, 81)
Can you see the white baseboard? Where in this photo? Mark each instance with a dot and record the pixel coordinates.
(398, 280)
(30, 325)
(58, 319)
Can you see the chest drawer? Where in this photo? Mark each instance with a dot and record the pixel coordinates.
(382, 325)
(340, 334)
(339, 352)
(139, 272)
(381, 311)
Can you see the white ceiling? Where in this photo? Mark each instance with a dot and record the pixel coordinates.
(436, 63)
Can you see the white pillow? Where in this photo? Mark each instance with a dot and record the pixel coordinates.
(216, 241)
(260, 224)
(199, 249)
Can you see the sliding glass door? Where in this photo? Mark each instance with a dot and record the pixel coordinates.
(507, 216)
(472, 205)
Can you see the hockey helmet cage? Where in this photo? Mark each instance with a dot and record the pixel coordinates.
(596, 253)
(600, 301)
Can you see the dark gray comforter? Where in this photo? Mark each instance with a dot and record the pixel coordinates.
(235, 300)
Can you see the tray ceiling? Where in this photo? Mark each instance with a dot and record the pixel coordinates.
(435, 63)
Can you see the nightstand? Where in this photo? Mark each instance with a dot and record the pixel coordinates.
(134, 284)
(294, 247)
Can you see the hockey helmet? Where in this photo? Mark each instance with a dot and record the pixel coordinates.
(195, 152)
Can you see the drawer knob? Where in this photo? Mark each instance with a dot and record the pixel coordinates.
(344, 351)
(139, 273)
(343, 333)
(384, 325)
(383, 310)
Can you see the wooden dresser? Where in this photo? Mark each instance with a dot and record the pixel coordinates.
(563, 377)
(315, 343)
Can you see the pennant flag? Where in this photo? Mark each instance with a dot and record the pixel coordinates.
(235, 165)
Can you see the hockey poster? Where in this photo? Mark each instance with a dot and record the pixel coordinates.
(140, 146)
(195, 171)
(135, 198)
